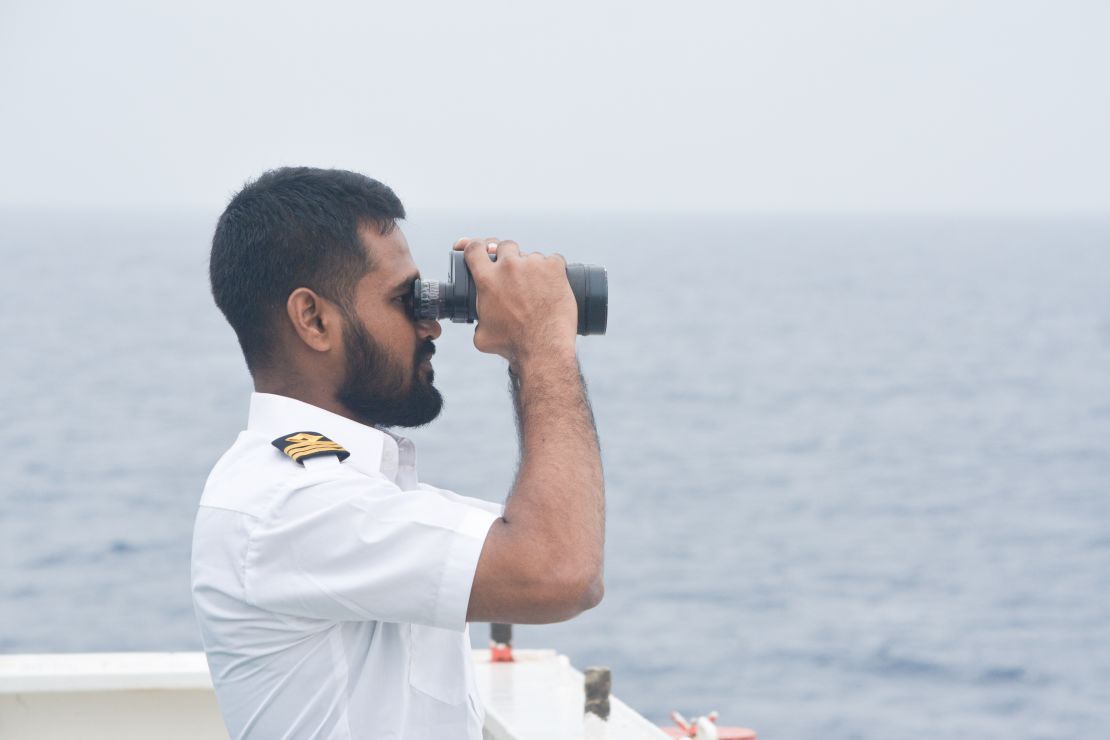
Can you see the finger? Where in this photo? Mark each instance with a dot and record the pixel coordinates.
(460, 244)
(477, 258)
(507, 248)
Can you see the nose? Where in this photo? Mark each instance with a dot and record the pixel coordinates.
(429, 328)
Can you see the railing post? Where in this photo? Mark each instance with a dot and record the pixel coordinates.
(599, 682)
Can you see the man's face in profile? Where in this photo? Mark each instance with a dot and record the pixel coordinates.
(388, 380)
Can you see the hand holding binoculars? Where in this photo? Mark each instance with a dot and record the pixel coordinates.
(456, 298)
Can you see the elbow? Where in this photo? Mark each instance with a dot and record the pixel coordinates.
(593, 593)
(578, 594)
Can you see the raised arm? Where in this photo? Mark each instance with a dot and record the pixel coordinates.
(541, 562)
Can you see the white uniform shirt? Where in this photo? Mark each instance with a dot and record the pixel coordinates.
(332, 595)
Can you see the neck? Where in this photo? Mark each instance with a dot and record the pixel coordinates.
(317, 394)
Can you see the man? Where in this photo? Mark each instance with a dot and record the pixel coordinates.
(331, 586)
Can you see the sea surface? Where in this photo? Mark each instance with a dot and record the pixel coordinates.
(858, 469)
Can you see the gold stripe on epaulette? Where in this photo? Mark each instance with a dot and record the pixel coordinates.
(303, 445)
(296, 449)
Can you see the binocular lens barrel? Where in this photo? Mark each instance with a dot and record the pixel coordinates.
(456, 299)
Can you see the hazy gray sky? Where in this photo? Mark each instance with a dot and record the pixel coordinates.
(784, 105)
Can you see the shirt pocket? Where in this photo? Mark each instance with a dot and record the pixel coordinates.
(436, 663)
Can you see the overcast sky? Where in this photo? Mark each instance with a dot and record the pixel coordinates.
(748, 106)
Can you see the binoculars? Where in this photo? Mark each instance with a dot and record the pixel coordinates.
(456, 298)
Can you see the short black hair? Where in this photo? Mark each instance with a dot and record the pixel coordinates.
(293, 227)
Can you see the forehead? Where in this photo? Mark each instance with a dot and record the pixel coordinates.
(390, 257)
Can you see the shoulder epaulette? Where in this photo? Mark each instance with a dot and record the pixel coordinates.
(302, 445)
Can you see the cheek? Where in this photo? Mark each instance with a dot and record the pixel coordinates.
(399, 340)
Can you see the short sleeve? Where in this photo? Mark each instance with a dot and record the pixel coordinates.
(358, 548)
(498, 509)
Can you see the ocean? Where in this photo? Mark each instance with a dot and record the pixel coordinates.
(857, 468)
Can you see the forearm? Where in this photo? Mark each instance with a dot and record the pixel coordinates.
(557, 501)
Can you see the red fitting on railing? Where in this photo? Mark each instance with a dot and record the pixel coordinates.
(501, 643)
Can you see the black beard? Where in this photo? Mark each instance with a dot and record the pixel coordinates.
(374, 387)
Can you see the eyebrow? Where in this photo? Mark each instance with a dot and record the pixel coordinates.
(406, 283)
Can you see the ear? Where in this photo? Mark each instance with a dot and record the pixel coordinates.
(315, 319)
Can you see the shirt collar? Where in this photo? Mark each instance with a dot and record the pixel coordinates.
(372, 450)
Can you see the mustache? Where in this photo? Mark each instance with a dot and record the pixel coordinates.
(426, 350)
